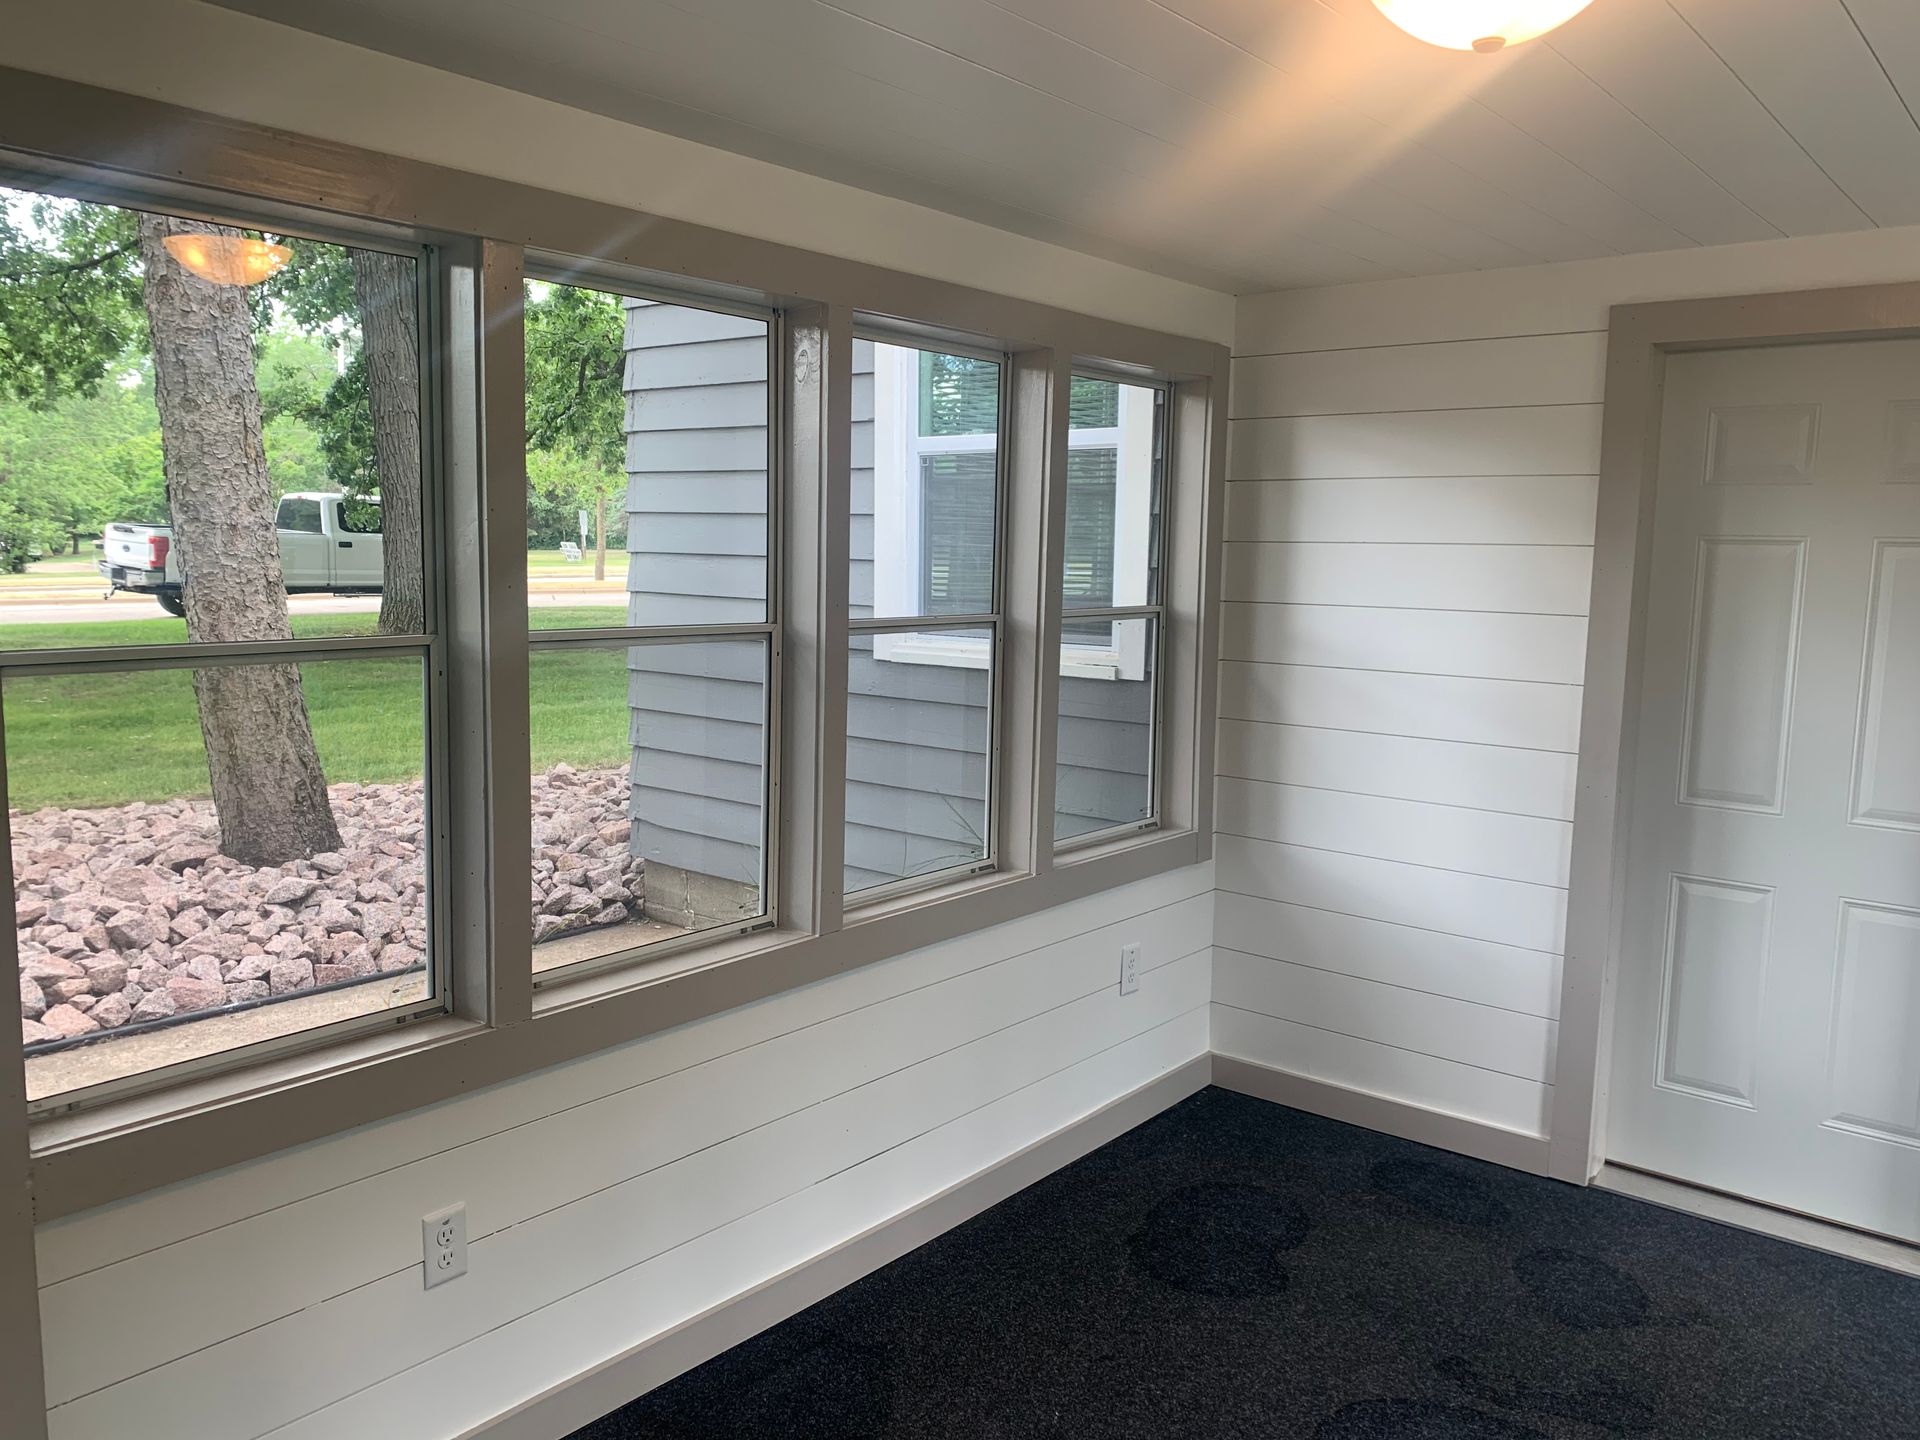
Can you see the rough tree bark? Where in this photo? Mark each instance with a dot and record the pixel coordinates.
(268, 788)
(383, 290)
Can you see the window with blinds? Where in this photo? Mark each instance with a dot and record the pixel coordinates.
(956, 533)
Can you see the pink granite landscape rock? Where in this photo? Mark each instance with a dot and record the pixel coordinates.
(131, 914)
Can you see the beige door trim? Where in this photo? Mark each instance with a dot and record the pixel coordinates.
(1639, 339)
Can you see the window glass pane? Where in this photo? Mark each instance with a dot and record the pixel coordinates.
(919, 736)
(647, 462)
(163, 383)
(1113, 497)
(1105, 772)
(1087, 579)
(1094, 404)
(925, 482)
(959, 394)
(299, 513)
(649, 794)
(360, 517)
(956, 534)
(208, 858)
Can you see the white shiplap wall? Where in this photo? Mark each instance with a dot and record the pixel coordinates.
(608, 1199)
(1411, 507)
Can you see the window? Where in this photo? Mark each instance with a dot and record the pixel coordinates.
(211, 853)
(292, 510)
(1111, 617)
(298, 512)
(651, 673)
(923, 546)
(360, 516)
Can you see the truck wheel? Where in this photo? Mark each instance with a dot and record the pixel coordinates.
(171, 602)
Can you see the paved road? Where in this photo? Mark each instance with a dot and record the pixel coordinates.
(77, 607)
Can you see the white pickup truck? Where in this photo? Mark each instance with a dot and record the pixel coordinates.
(326, 547)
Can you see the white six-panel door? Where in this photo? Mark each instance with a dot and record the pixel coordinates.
(1767, 1029)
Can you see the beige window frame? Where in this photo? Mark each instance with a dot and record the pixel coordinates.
(79, 140)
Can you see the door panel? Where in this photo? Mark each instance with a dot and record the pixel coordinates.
(1887, 790)
(1767, 1020)
(1876, 1065)
(1746, 625)
(1761, 444)
(1716, 964)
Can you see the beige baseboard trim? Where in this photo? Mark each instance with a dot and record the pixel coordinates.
(585, 1398)
(1511, 1148)
(1751, 1215)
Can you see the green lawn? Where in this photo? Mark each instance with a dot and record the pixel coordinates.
(552, 562)
(106, 739)
(55, 567)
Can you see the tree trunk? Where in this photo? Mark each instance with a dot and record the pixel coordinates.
(599, 535)
(268, 788)
(383, 290)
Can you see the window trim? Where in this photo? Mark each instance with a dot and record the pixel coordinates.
(907, 638)
(431, 275)
(497, 1031)
(556, 270)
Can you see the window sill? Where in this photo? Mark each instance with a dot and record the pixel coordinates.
(1090, 663)
(117, 1122)
(98, 1155)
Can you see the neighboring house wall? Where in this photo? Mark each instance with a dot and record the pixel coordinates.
(919, 735)
(697, 554)
(1409, 528)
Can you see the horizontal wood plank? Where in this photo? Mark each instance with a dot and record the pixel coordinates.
(1444, 772)
(1435, 707)
(1545, 648)
(1525, 579)
(1425, 1080)
(1475, 907)
(1464, 374)
(1476, 970)
(1459, 510)
(1416, 1020)
(1444, 837)
(1527, 440)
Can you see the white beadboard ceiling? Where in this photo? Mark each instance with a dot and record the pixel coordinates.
(1248, 144)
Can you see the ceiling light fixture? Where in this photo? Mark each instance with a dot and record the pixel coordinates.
(228, 259)
(1483, 25)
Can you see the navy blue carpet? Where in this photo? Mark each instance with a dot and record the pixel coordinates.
(1233, 1268)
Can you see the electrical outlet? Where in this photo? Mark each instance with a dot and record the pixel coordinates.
(1129, 969)
(443, 1243)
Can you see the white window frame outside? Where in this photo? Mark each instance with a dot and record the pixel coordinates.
(898, 561)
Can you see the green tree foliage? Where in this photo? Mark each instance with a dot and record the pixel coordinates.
(69, 296)
(576, 365)
(79, 433)
(67, 469)
(316, 294)
(576, 400)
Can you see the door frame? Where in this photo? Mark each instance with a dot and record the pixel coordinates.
(1639, 339)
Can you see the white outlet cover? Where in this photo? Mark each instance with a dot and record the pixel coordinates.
(1129, 969)
(443, 1244)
